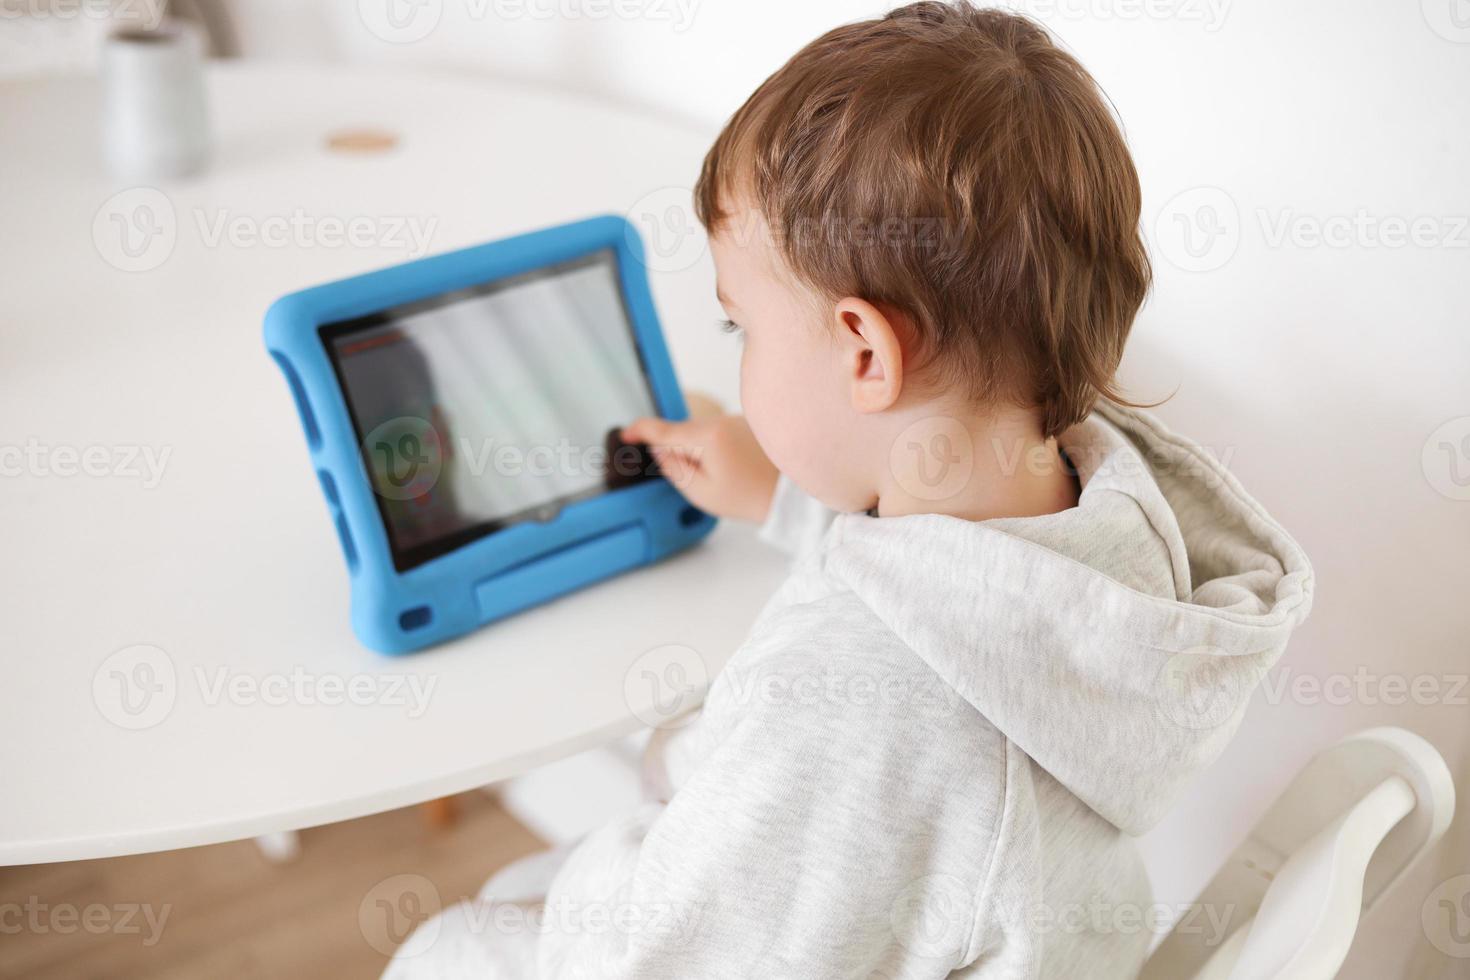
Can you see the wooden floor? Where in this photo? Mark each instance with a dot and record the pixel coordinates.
(230, 913)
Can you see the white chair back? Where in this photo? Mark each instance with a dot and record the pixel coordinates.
(1349, 826)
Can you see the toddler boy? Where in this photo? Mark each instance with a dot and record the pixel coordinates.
(1021, 617)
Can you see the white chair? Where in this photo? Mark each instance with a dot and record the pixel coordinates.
(1349, 826)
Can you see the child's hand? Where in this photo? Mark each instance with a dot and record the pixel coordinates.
(715, 462)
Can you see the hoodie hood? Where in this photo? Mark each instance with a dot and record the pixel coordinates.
(1117, 643)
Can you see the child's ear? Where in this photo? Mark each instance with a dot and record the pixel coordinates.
(872, 356)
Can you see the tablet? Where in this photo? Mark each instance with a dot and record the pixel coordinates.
(462, 412)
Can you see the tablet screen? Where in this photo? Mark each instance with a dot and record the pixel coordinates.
(492, 405)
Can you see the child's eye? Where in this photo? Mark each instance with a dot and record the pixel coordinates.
(729, 326)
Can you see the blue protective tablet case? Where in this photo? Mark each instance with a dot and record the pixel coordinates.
(396, 611)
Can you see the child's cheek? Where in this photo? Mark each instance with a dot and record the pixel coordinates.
(752, 393)
(762, 403)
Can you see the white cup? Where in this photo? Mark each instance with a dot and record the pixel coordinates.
(154, 122)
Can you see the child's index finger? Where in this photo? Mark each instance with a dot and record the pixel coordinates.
(651, 430)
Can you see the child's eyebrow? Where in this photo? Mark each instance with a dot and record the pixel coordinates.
(725, 301)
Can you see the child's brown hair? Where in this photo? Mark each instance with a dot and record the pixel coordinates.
(954, 164)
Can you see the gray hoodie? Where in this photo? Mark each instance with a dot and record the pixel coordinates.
(932, 753)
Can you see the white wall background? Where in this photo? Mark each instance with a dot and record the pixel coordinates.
(1326, 371)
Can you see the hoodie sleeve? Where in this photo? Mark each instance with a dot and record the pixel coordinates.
(797, 522)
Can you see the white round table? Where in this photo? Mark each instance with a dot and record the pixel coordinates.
(156, 490)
